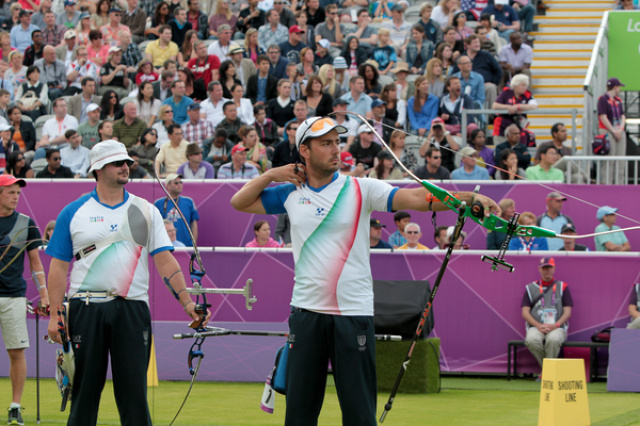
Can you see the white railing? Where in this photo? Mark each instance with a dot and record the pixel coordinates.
(598, 169)
(595, 84)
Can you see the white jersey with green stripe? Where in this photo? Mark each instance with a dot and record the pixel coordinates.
(330, 241)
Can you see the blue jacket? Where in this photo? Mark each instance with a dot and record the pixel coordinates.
(429, 111)
(426, 53)
(476, 82)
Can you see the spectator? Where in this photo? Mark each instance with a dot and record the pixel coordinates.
(459, 244)
(516, 100)
(238, 168)
(371, 76)
(364, 150)
(419, 50)
(611, 121)
(330, 85)
(223, 15)
(318, 102)
(634, 301)
(179, 102)
(307, 67)
(146, 150)
(512, 133)
(616, 241)
(262, 86)
(545, 170)
(165, 119)
(422, 108)
(17, 72)
(441, 139)
(32, 96)
(146, 105)
(435, 77)
(347, 166)
(163, 49)
(66, 52)
(113, 27)
(37, 18)
(98, 51)
(443, 13)
(197, 130)
(18, 167)
(105, 130)
(354, 54)
(397, 146)
(486, 65)
(380, 123)
(195, 168)
(384, 54)
(345, 120)
(569, 244)
(496, 239)
(375, 235)
(211, 109)
(358, 101)
(220, 47)
(559, 135)
(386, 169)
(70, 17)
(228, 78)
(88, 130)
(413, 233)
(452, 40)
(472, 82)
(528, 244)
(451, 106)
(24, 133)
(626, 5)
(174, 185)
(322, 56)
(508, 166)
(171, 232)
(218, 151)
(75, 156)
(78, 104)
(444, 54)
(401, 219)
(52, 33)
(250, 18)
(54, 169)
(546, 308)
(5, 100)
(172, 154)
(273, 32)
(286, 152)
(113, 74)
(287, 17)
(432, 29)
(478, 142)
(262, 232)
(469, 170)
(129, 128)
(245, 68)
(363, 32)
(516, 57)
(280, 109)
(7, 145)
(400, 30)
(440, 237)
(55, 128)
(256, 152)
(460, 25)
(21, 34)
(101, 15)
(77, 71)
(433, 169)
(52, 72)
(331, 29)
(136, 19)
(486, 40)
(309, 32)
(110, 107)
(231, 122)
(395, 108)
(146, 73)
(277, 63)
(506, 19)
(162, 89)
(315, 13)
(179, 26)
(251, 47)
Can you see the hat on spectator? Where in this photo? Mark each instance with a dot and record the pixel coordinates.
(69, 2)
(437, 122)
(171, 177)
(364, 129)
(373, 63)
(24, 13)
(193, 106)
(605, 210)
(614, 82)
(347, 159)
(238, 148)
(106, 152)
(453, 228)
(502, 2)
(556, 196)
(401, 66)
(295, 29)
(339, 101)
(339, 63)
(113, 49)
(7, 180)
(92, 107)
(234, 48)
(397, 7)
(324, 43)
(375, 223)
(84, 15)
(5, 127)
(460, 12)
(547, 261)
(468, 151)
(315, 127)
(69, 34)
(115, 10)
(568, 227)
(377, 102)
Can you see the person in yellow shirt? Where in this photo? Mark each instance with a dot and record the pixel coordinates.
(162, 49)
(413, 233)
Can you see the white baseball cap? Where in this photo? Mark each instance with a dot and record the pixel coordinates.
(364, 129)
(92, 107)
(315, 127)
(107, 152)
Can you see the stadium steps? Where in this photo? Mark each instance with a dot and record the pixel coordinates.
(563, 43)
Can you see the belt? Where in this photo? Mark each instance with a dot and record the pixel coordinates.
(294, 309)
(88, 295)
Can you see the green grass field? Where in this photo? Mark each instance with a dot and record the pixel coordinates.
(462, 401)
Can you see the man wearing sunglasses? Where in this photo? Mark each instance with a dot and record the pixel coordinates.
(332, 303)
(287, 17)
(54, 169)
(111, 234)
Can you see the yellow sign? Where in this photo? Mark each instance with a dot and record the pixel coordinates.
(563, 394)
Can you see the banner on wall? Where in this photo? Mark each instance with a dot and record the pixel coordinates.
(624, 48)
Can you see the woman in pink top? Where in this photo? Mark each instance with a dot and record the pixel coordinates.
(97, 51)
(262, 230)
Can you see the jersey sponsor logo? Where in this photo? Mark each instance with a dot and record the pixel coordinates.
(113, 228)
(320, 212)
(304, 200)
(95, 219)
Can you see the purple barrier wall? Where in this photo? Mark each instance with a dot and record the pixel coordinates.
(476, 311)
(221, 226)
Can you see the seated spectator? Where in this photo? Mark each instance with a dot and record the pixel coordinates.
(250, 17)
(528, 244)
(322, 56)
(195, 168)
(162, 89)
(516, 99)
(380, 123)
(146, 150)
(400, 30)
(422, 108)
(238, 168)
(179, 26)
(616, 241)
(256, 152)
(110, 107)
(178, 102)
(559, 135)
(459, 244)
(386, 169)
(440, 138)
(286, 152)
(347, 121)
(384, 54)
(32, 96)
(129, 128)
(508, 166)
(243, 105)
(222, 15)
(412, 233)
(290, 50)
(113, 74)
(146, 72)
(330, 84)
(347, 166)
(318, 103)
(136, 19)
(162, 49)
(245, 68)
(440, 237)
(251, 48)
(469, 170)
(17, 71)
(55, 128)
(435, 76)
(54, 169)
(506, 19)
(451, 106)
(512, 133)
(113, 27)
(231, 122)
(496, 239)
(472, 82)
(211, 109)
(432, 30)
(146, 104)
(20, 33)
(569, 244)
(266, 127)
(262, 232)
(401, 219)
(405, 154)
(287, 17)
(273, 32)
(280, 109)
(419, 50)
(131, 54)
(371, 76)
(515, 57)
(485, 154)
(354, 54)
(172, 154)
(52, 72)
(262, 86)
(171, 231)
(545, 170)
(66, 52)
(24, 133)
(78, 70)
(197, 130)
(634, 301)
(331, 29)
(7, 145)
(491, 40)
(364, 150)
(218, 152)
(18, 167)
(432, 170)
(358, 101)
(98, 51)
(161, 17)
(105, 130)
(454, 43)
(221, 47)
(443, 13)
(165, 119)
(75, 156)
(375, 235)
(460, 25)
(167, 209)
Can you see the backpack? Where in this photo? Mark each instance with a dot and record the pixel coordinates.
(601, 145)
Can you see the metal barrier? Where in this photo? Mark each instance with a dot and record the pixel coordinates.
(552, 111)
(595, 84)
(598, 169)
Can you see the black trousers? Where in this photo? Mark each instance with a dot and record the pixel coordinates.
(120, 330)
(349, 342)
